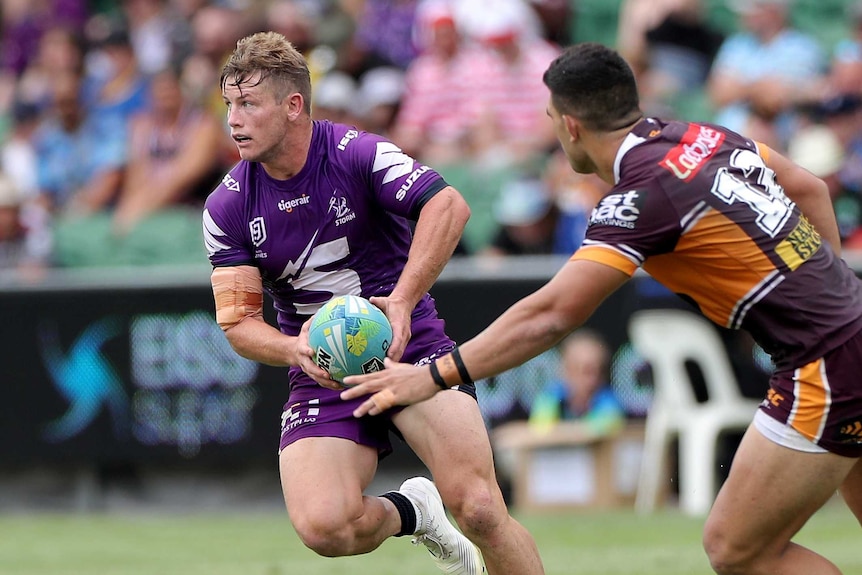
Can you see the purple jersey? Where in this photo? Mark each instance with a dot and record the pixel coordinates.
(339, 226)
(697, 206)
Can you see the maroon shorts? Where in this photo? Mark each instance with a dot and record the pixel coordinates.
(823, 399)
(314, 411)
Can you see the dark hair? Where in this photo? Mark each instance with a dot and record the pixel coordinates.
(272, 56)
(594, 84)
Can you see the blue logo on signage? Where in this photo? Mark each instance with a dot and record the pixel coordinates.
(86, 379)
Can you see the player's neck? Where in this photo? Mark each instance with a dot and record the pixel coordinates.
(292, 156)
(605, 148)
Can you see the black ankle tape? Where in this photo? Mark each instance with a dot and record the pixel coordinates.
(405, 511)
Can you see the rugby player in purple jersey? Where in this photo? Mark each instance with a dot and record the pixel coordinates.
(316, 209)
(751, 239)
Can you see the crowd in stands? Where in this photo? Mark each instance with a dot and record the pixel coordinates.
(112, 126)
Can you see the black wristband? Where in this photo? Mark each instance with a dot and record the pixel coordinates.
(435, 375)
(462, 369)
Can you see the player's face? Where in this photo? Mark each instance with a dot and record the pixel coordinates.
(258, 123)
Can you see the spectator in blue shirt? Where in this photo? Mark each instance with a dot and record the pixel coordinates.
(80, 156)
(764, 72)
(582, 392)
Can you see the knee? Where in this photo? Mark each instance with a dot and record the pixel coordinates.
(326, 536)
(726, 556)
(479, 510)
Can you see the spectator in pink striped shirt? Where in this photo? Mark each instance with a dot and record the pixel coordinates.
(508, 103)
(432, 124)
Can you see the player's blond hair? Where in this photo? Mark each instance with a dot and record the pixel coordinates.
(269, 57)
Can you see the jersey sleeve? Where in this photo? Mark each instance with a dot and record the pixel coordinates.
(400, 184)
(628, 227)
(224, 229)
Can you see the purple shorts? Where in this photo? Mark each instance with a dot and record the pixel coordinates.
(314, 411)
(823, 399)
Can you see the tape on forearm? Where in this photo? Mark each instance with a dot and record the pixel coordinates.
(238, 293)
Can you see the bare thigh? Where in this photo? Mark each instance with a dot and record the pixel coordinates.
(323, 478)
(769, 495)
(851, 490)
(448, 434)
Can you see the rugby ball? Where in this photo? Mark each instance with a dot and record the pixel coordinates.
(349, 336)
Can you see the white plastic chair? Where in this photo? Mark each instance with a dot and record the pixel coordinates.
(667, 339)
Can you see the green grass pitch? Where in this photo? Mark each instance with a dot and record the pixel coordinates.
(584, 543)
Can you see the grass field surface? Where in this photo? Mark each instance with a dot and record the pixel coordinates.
(585, 543)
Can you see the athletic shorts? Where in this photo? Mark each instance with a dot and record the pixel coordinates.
(315, 411)
(821, 401)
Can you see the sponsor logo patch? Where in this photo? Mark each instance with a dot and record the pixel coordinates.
(619, 210)
(230, 183)
(687, 158)
(290, 205)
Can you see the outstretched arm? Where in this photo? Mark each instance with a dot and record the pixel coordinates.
(529, 327)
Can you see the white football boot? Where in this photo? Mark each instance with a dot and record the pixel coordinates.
(453, 553)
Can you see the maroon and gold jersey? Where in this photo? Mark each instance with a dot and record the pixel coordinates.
(698, 208)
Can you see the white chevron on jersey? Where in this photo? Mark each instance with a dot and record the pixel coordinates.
(211, 234)
(390, 156)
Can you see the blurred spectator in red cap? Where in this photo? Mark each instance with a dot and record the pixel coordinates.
(508, 100)
(433, 124)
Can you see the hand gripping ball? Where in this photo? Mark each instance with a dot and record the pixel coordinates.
(349, 336)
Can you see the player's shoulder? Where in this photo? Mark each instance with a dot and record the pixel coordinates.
(343, 140)
(235, 184)
(232, 191)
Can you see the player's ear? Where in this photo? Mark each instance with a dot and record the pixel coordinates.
(573, 127)
(295, 105)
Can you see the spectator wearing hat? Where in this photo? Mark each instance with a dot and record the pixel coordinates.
(334, 98)
(526, 217)
(432, 123)
(764, 72)
(818, 149)
(379, 99)
(508, 100)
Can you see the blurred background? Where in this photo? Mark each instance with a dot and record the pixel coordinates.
(120, 391)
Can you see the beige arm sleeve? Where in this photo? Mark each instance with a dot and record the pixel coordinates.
(238, 293)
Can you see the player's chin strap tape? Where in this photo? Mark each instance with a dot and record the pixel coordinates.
(450, 370)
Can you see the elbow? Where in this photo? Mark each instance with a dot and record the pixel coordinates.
(463, 212)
